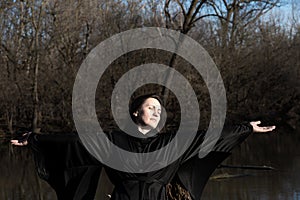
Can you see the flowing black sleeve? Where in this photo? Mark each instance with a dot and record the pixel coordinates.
(194, 172)
(65, 164)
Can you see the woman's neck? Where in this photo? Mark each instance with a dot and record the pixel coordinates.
(144, 129)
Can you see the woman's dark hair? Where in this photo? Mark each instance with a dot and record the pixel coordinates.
(136, 104)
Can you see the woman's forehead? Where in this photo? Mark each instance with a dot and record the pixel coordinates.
(152, 101)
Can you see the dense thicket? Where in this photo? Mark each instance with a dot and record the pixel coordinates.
(43, 43)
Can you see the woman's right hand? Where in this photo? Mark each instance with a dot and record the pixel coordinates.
(19, 143)
(22, 141)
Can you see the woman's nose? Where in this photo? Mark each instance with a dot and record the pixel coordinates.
(155, 112)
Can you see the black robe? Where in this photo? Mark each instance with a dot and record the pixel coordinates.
(73, 173)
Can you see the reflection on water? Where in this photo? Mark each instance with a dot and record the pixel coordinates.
(279, 150)
(18, 178)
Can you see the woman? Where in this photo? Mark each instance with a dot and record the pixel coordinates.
(73, 173)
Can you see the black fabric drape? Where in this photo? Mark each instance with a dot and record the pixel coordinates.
(195, 173)
(73, 173)
(65, 164)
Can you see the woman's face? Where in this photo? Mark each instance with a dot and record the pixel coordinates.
(149, 113)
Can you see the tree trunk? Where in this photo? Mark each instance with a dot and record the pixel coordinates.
(9, 119)
(35, 98)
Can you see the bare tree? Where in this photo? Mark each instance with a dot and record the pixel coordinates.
(233, 15)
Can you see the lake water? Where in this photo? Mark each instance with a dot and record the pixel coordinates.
(279, 150)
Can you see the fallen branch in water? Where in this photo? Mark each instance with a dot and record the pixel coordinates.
(226, 175)
(255, 167)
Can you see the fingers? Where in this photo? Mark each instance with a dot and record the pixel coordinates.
(14, 142)
(267, 128)
(264, 129)
(271, 128)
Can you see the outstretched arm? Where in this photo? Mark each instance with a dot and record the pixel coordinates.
(195, 172)
(64, 163)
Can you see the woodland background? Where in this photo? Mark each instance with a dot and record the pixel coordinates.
(254, 43)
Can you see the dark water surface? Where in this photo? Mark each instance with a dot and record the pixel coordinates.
(279, 150)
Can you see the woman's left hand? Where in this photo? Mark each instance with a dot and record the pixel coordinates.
(261, 129)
